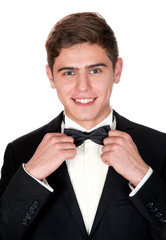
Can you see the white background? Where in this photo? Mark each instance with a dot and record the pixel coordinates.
(26, 99)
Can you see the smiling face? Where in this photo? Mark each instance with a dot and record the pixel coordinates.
(83, 77)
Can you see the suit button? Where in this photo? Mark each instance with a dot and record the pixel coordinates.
(162, 220)
(24, 221)
(31, 210)
(35, 204)
(154, 209)
(28, 216)
(158, 215)
(150, 205)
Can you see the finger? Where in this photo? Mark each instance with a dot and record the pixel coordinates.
(116, 140)
(111, 140)
(58, 137)
(115, 136)
(104, 157)
(54, 134)
(107, 148)
(68, 153)
(65, 139)
(117, 133)
(65, 146)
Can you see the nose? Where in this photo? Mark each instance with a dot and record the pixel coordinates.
(83, 82)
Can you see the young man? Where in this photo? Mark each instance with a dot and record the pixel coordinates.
(89, 173)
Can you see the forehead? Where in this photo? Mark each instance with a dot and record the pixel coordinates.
(82, 54)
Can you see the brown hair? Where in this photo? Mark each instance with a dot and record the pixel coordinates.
(80, 28)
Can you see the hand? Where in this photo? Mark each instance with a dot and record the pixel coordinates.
(120, 152)
(54, 149)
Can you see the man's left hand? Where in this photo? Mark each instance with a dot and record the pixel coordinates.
(120, 152)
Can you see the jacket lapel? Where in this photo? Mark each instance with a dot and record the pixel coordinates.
(54, 125)
(123, 124)
(110, 186)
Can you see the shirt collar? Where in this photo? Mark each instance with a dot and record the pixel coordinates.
(110, 120)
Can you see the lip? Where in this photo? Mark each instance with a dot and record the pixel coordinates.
(84, 102)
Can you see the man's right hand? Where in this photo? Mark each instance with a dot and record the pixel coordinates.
(53, 150)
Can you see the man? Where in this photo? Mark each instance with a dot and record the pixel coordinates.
(59, 183)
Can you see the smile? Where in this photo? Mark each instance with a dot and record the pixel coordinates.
(84, 100)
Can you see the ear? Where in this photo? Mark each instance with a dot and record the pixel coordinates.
(50, 76)
(118, 70)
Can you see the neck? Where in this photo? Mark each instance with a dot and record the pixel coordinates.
(88, 125)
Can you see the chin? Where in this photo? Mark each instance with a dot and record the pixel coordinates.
(85, 120)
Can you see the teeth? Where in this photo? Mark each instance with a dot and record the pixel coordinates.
(84, 100)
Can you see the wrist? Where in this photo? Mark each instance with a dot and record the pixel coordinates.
(31, 172)
(141, 183)
(139, 175)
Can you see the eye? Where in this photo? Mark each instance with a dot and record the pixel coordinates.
(95, 71)
(68, 73)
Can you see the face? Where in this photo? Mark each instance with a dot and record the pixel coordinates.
(83, 77)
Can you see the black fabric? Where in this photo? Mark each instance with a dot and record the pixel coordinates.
(96, 135)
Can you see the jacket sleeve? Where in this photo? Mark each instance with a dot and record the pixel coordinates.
(21, 201)
(150, 201)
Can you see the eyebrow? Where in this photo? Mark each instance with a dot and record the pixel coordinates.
(97, 65)
(88, 67)
(66, 68)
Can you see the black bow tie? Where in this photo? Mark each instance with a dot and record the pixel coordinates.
(96, 136)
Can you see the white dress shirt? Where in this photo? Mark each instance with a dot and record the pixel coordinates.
(87, 172)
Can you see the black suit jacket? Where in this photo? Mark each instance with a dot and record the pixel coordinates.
(29, 211)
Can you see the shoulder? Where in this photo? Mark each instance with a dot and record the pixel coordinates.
(139, 131)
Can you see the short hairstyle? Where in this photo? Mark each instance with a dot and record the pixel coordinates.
(80, 28)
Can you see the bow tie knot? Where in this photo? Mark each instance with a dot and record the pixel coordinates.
(96, 135)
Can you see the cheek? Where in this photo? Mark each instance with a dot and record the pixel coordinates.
(64, 87)
(105, 89)
(63, 91)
